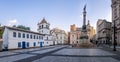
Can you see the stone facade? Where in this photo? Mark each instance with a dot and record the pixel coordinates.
(75, 33)
(104, 32)
(61, 36)
(116, 18)
(90, 30)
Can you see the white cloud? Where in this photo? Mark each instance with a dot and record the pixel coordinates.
(12, 22)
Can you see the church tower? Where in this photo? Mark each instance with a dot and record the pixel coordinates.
(43, 27)
(88, 26)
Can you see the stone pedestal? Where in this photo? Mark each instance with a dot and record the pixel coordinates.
(84, 41)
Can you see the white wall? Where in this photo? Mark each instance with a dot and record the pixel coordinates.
(44, 30)
(5, 38)
(13, 41)
(48, 43)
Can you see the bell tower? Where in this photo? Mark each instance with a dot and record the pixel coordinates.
(43, 27)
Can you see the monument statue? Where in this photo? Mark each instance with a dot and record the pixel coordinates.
(84, 38)
(84, 31)
(84, 19)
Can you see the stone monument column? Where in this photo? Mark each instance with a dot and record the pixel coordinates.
(84, 16)
(84, 39)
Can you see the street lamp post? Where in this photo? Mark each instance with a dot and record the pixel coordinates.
(115, 43)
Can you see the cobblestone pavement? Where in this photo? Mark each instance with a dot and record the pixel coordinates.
(60, 53)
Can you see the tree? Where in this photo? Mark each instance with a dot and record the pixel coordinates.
(1, 32)
(22, 27)
(14, 25)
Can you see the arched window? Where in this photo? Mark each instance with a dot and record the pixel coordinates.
(23, 35)
(27, 35)
(42, 26)
(14, 34)
(39, 27)
(31, 36)
(19, 35)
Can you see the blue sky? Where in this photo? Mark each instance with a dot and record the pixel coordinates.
(59, 13)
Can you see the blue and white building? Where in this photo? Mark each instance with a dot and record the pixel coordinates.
(14, 38)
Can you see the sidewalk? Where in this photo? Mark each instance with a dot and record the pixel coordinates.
(110, 49)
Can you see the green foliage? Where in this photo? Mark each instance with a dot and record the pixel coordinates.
(22, 27)
(1, 32)
(14, 25)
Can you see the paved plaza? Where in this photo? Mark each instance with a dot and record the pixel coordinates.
(59, 53)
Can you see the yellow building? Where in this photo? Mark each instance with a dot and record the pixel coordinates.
(90, 30)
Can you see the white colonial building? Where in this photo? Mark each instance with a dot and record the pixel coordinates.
(61, 36)
(14, 38)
